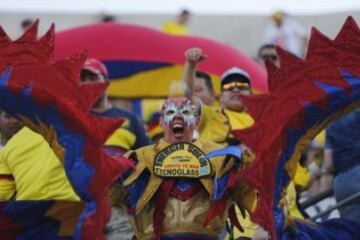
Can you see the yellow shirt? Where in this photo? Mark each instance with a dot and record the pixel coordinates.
(216, 123)
(238, 120)
(37, 173)
(175, 28)
(122, 137)
(214, 126)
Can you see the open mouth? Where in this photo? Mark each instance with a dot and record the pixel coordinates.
(178, 130)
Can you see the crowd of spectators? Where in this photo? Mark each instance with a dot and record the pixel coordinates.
(332, 162)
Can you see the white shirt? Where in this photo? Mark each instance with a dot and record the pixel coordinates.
(289, 35)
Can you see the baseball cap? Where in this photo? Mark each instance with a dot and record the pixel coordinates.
(277, 15)
(235, 72)
(95, 66)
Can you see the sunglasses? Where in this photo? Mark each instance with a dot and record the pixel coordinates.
(271, 57)
(235, 85)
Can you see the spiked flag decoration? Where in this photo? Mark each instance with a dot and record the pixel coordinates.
(305, 95)
(48, 98)
(46, 95)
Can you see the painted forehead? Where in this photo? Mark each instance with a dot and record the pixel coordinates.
(179, 102)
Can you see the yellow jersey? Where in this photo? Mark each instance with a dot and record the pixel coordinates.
(175, 28)
(34, 171)
(216, 124)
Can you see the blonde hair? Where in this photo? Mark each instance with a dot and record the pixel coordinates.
(178, 89)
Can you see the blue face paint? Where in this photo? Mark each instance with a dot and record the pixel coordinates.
(170, 111)
(186, 111)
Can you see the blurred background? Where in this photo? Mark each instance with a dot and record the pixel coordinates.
(237, 23)
(243, 25)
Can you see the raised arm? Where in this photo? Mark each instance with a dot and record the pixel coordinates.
(193, 56)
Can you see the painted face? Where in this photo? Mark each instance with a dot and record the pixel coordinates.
(178, 119)
(186, 111)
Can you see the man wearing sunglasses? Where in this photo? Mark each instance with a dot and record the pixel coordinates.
(267, 52)
(217, 123)
(234, 83)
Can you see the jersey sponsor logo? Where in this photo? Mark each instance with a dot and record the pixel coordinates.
(181, 160)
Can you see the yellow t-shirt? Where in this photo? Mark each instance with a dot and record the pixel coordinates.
(238, 120)
(36, 171)
(214, 126)
(175, 28)
(216, 123)
(122, 137)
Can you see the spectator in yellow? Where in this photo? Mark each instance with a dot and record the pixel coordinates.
(178, 27)
(8, 127)
(217, 123)
(47, 179)
(203, 88)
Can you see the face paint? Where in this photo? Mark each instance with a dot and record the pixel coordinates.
(186, 111)
(170, 111)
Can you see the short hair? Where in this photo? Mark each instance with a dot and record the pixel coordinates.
(207, 79)
(27, 22)
(108, 18)
(185, 12)
(264, 46)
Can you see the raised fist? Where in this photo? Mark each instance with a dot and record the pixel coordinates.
(194, 55)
